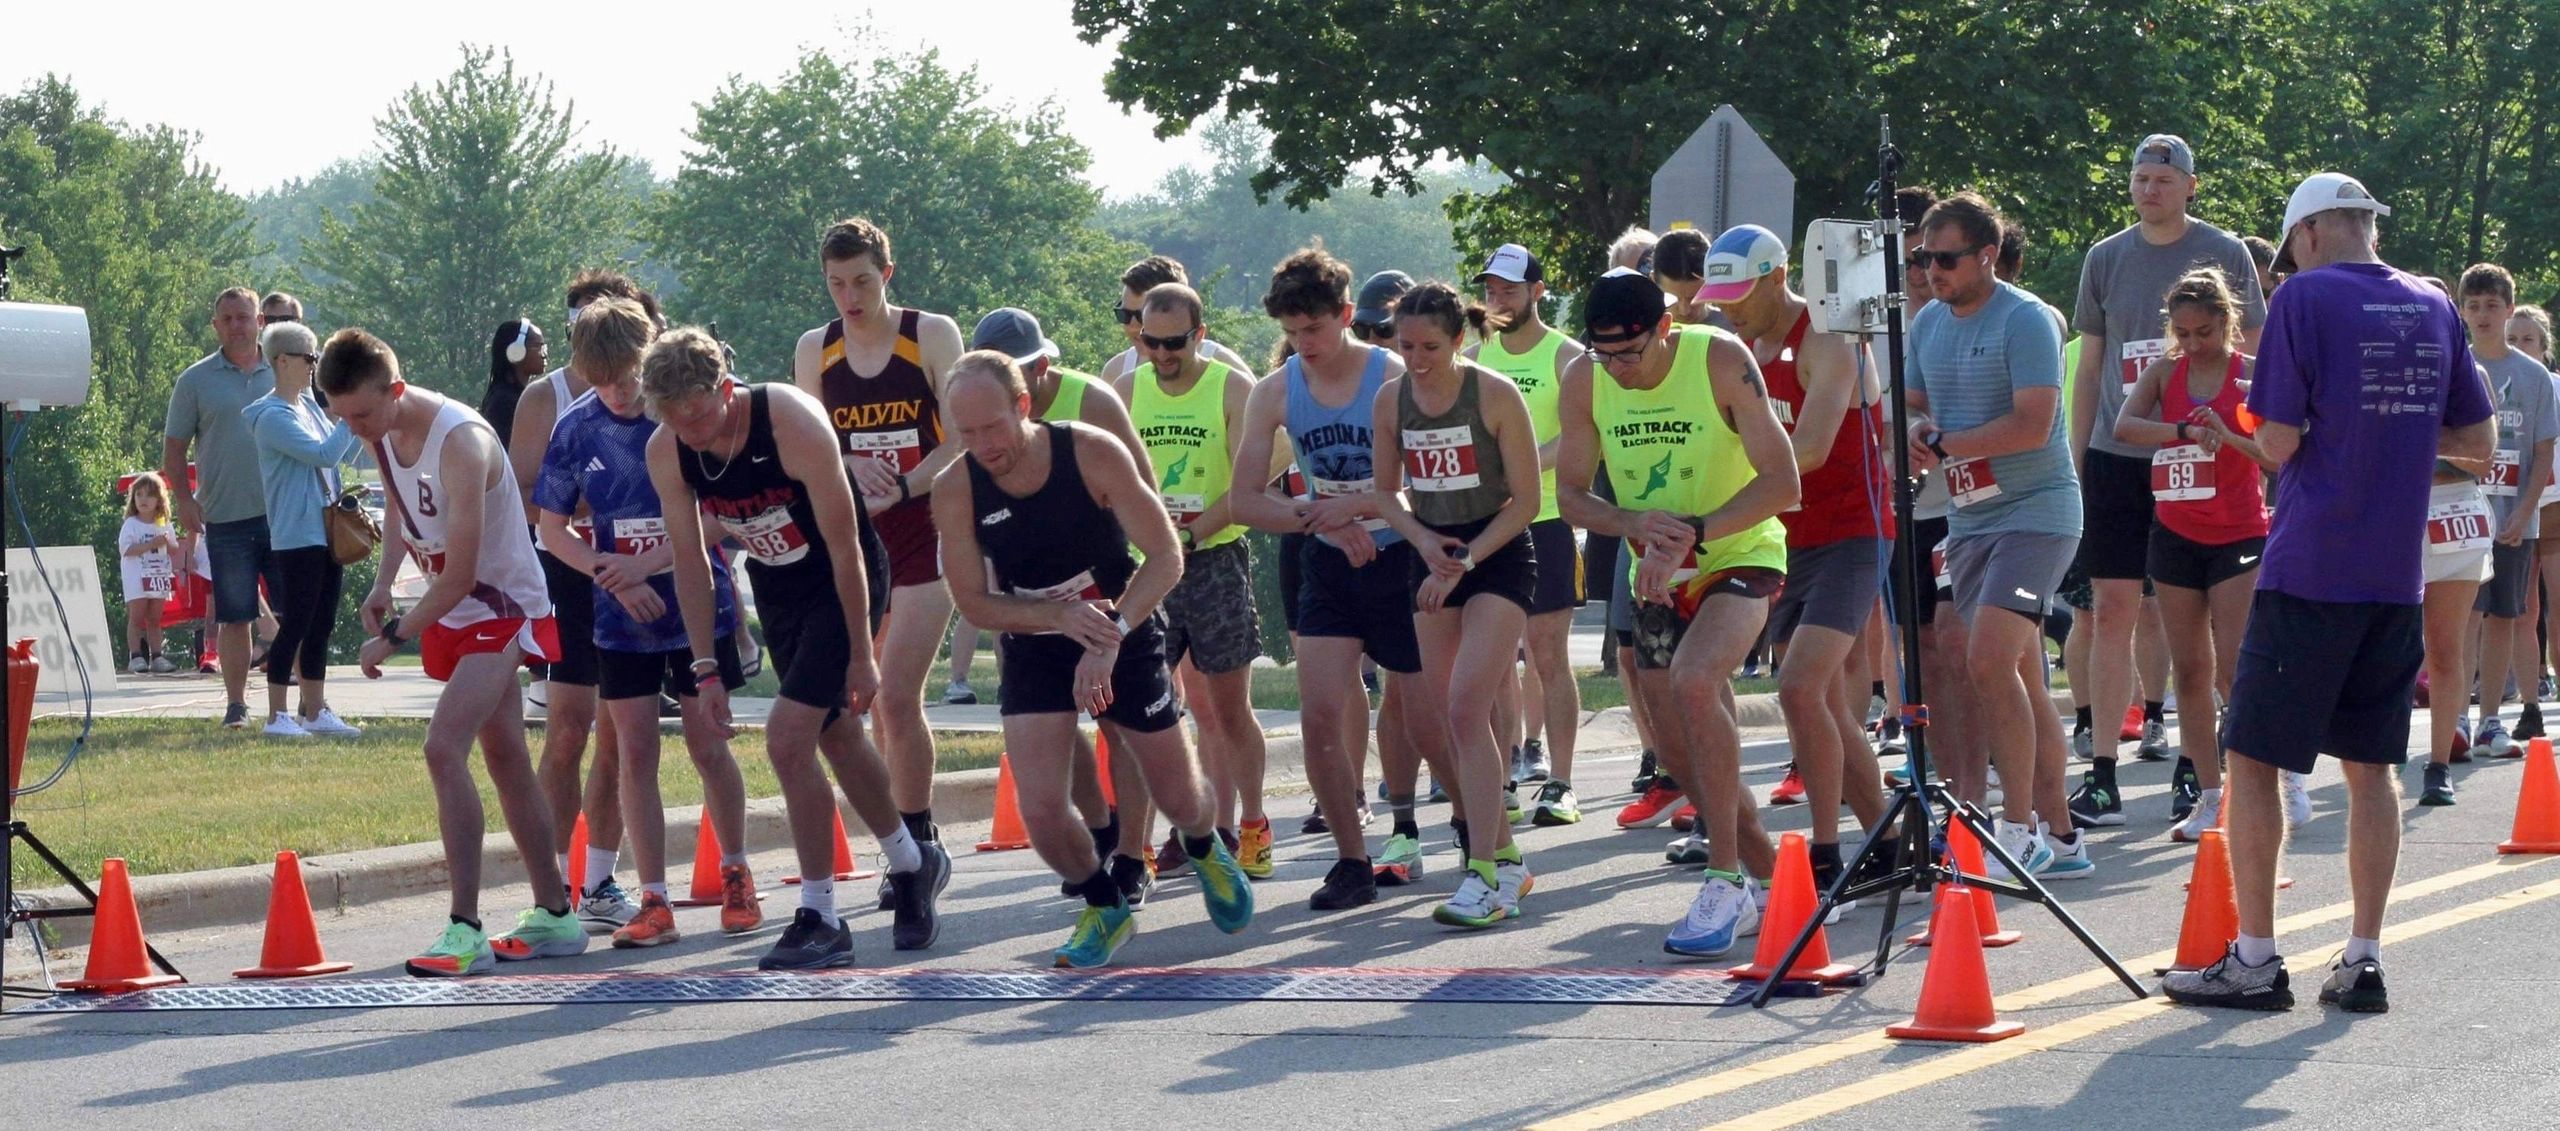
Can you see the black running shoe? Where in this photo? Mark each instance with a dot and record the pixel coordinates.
(1350, 883)
(2093, 806)
(2439, 789)
(1646, 767)
(2529, 725)
(1136, 880)
(809, 944)
(1314, 824)
(2356, 987)
(2185, 789)
(917, 921)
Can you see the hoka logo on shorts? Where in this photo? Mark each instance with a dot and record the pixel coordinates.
(1162, 704)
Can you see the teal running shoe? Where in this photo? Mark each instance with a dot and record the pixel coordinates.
(1225, 889)
(463, 951)
(1098, 935)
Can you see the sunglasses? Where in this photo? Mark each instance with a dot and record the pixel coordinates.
(1150, 341)
(272, 319)
(1924, 258)
(1372, 331)
(1125, 314)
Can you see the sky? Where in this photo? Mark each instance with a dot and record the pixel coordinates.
(296, 103)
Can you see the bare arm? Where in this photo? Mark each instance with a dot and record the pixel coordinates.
(1111, 414)
(2022, 428)
(2140, 421)
(1386, 469)
(1219, 513)
(1827, 366)
(1114, 481)
(531, 435)
(182, 494)
(2084, 394)
(1264, 508)
(938, 340)
(1773, 487)
(695, 601)
(1506, 412)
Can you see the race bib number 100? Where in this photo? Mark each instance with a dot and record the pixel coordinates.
(2457, 527)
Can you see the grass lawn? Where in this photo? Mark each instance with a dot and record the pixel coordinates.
(178, 795)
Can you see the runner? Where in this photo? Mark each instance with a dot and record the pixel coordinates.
(1679, 267)
(455, 510)
(566, 693)
(597, 462)
(757, 461)
(1457, 440)
(2332, 645)
(1189, 413)
(1700, 493)
(1052, 508)
(2209, 527)
(1143, 276)
(1985, 378)
(2122, 285)
(1838, 539)
(2529, 333)
(2528, 419)
(878, 370)
(1353, 596)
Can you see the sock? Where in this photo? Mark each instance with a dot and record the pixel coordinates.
(903, 853)
(658, 889)
(474, 924)
(2079, 719)
(1201, 847)
(1460, 829)
(818, 893)
(563, 858)
(1106, 840)
(2360, 950)
(1402, 808)
(1825, 857)
(1099, 889)
(2257, 951)
(920, 823)
(2153, 710)
(733, 860)
(2102, 769)
(600, 863)
(1484, 871)
(2061, 841)
(1509, 854)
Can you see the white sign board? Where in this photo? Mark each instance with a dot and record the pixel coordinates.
(1722, 176)
(74, 573)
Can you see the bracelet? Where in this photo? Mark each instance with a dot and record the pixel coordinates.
(905, 492)
(2183, 426)
(699, 666)
(700, 678)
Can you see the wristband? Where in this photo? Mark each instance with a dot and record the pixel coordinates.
(1190, 541)
(391, 631)
(700, 666)
(904, 492)
(1935, 442)
(701, 678)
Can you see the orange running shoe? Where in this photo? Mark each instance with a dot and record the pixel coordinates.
(1653, 808)
(655, 925)
(2132, 731)
(1790, 789)
(739, 911)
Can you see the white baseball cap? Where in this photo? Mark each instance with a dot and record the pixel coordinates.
(1737, 260)
(2323, 192)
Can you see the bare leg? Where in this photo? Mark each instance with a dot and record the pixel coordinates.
(1231, 749)
(572, 714)
(2373, 841)
(2253, 815)
(2111, 666)
(2189, 618)
(1040, 746)
(1806, 685)
(1329, 697)
(2447, 617)
(1559, 696)
(231, 650)
(1724, 629)
(791, 743)
(2151, 662)
(865, 778)
(910, 638)
(1999, 641)
(481, 701)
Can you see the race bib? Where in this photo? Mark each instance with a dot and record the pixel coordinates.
(2138, 356)
(1185, 509)
(2458, 527)
(159, 577)
(770, 536)
(2506, 471)
(1081, 587)
(1337, 488)
(902, 450)
(2182, 474)
(1441, 459)
(1938, 565)
(635, 536)
(1970, 482)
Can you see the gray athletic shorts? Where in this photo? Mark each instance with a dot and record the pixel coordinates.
(2509, 567)
(1209, 617)
(2014, 570)
(1831, 586)
(1622, 606)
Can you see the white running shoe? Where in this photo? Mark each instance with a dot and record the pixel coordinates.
(327, 724)
(2297, 801)
(137, 665)
(284, 725)
(2023, 844)
(1723, 914)
(2204, 816)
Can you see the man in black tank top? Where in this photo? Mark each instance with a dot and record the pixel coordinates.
(763, 463)
(1036, 527)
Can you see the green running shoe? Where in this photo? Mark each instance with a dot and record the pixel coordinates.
(1401, 863)
(541, 934)
(1225, 889)
(464, 950)
(1098, 935)
(1511, 802)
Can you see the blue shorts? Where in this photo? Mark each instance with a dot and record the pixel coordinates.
(2324, 677)
(238, 553)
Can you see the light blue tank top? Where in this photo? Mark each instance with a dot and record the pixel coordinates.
(1333, 443)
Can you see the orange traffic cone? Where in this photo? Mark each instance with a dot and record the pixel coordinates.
(292, 949)
(2537, 828)
(1955, 992)
(705, 889)
(1008, 833)
(1966, 852)
(2213, 917)
(845, 868)
(577, 861)
(118, 958)
(1791, 902)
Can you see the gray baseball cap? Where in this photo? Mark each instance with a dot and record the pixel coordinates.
(2166, 149)
(1013, 332)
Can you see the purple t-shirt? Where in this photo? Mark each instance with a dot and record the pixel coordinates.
(2364, 359)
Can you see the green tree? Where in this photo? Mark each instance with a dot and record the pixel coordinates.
(287, 222)
(984, 208)
(482, 210)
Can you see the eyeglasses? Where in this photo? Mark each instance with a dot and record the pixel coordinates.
(1605, 356)
(1923, 259)
(1150, 341)
(272, 319)
(1125, 314)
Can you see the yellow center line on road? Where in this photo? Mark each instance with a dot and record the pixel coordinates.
(1843, 1048)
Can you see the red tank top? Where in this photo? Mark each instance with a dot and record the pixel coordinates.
(2236, 507)
(891, 415)
(1845, 497)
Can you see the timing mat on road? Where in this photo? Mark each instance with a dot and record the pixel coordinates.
(1531, 986)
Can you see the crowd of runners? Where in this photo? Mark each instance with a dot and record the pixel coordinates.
(2275, 481)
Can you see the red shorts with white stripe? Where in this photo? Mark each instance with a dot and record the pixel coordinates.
(441, 648)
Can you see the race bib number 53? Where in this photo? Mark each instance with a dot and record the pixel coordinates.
(902, 450)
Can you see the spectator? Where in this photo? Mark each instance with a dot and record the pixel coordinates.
(516, 355)
(299, 451)
(278, 307)
(222, 501)
(143, 551)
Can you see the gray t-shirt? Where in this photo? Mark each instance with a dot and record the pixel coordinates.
(2124, 291)
(1971, 368)
(2528, 414)
(205, 407)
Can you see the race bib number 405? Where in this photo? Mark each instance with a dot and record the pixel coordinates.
(2183, 473)
(769, 536)
(2458, 527)
(1970, 482)
(1441, 459)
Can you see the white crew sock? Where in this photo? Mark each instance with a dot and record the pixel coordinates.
(901, 850)
(2359, 950)
(2256, 951)
(600, 863)
(818, 893)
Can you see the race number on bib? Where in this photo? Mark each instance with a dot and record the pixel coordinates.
(1970, 482)
(635, 536)
(2458, 527)
(1081, 587)
(1441, 459)
(2138, 356)
(769, 536)
(2506, 470)
(1938, 565)
(1337, 488)
(1185, 509)
(159, 577)
(902, 450)
(2181, 474)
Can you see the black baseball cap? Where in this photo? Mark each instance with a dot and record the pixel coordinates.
(1378, 296)
(1621, 305)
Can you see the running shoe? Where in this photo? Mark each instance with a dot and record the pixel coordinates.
(1476, 904)
(1511, 811)
(541, 934)
(959, 694)
(809, 944)
(739, 910)
(284, 725)
(327, 724)
(1725, 911)
(2155, 742)
(2095, 806)
(2232, 984)
(2023, 845)
(1314, 824)
(2439, 789)
(1351, 883)
(1435, 795)
(161, 665)
(462, 951)
(1225, 889)
(1511, 881)
(2084, 745)
(2184, 788)
(2529, 723)
(1253, 848)
(1137, 879)
(2131, 731)
(1653, 807)
(2461, 744)
(2356, 987)
(917, 921)
(1790, 789)
(1533, 761)
(1097, 936)
(1401, 863)
(137, 665)
(1517, 768)
(888, 894)
(2297, 800)
(1685, 819)
(2070, 860)
(1648, 764)
(1171, 860)
(1555, 806)
(1689, 851)
(2419, 695)
(653, 925)
(605, 909)
(2493, 740)
(2205, 814)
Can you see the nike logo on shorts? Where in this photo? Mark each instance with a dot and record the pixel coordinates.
(2023, 595)
(2249, 559)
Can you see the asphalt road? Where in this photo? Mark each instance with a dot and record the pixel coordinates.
(2471, 1040)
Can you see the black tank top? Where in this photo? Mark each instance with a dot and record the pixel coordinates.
(752, 499)
(1055, 542)
(891, 415)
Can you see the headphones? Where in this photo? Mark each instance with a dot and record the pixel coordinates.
(516, 349)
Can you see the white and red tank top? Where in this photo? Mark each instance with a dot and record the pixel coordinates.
(509, 580)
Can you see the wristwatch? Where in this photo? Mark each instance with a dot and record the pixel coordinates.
(391, 631)
(1190, 541)
(2182, 432)
(1934, 442)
